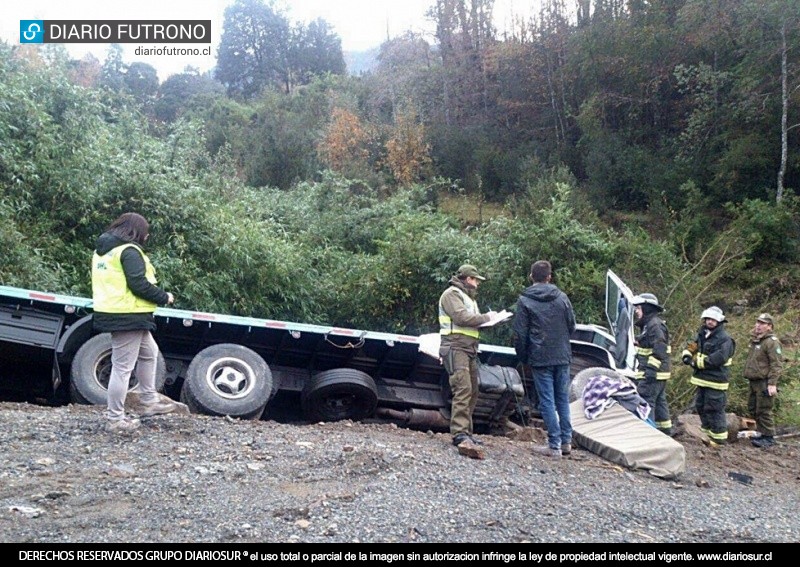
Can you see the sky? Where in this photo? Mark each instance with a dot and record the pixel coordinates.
(361, 24)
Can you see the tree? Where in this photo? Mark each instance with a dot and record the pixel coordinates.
(317, 50)
(746, 51)
(464, 31)
(776, 37)
(112, 75)
(177, 92)
(259, 49)
(254, 49)
(85, 72)
(344, 145)
(141, 80)
(407, 152)
(408, 75)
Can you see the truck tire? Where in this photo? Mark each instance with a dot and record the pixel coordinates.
(228, 379)
(91, 371)
(582, 378)
(184, 399)
(340, 393)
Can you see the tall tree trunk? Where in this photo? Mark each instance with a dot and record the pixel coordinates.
(784, 113)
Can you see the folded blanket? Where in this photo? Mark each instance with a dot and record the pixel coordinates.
(603, 391)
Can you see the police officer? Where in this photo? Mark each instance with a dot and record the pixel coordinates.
(653, 355)
(763, 368)
(459, 322)
(711, 364)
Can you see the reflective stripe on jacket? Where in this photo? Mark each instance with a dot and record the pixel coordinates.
(653, 351)
(110, 288)
(446, 324)
(717, 349)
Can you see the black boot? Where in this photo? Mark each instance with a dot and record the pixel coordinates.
(763, 442)
(459, 438)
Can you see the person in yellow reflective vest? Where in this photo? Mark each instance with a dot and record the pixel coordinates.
(459, 322)
(125, 296)
(711, 364)
(653, 356)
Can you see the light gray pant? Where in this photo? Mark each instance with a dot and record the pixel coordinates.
(131, 349)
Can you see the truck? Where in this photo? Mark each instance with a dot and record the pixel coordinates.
(251, 368)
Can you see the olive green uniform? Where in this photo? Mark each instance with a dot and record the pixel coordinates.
(763, 368)
(459, 319)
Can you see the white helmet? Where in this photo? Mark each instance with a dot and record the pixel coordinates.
(647, 298)
(713, 312)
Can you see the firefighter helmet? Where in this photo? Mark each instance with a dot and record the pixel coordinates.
(713, 312)
(647, 298)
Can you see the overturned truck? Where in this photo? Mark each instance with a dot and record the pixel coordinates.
(251, 368)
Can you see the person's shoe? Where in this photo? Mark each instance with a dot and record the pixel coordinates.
(763, 442)
(566, 449)
(157, 408)
(122, 426)
(459, 438)
(710, 443)
(476, 441)
(547, 452)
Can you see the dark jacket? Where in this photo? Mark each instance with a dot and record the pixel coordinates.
(764, 359)
(134, 268)
(653, 351)
(718, 349)
(543, 323)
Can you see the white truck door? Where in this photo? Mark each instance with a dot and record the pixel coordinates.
(619, 313)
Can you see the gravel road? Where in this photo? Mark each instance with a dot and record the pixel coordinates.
(204, 479)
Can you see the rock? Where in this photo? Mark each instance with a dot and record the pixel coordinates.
(471, 450)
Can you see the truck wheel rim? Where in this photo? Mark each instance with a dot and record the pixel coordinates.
(102, 369)
(102, 372)
(231, 378)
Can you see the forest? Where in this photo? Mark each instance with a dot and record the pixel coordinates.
(659, 139)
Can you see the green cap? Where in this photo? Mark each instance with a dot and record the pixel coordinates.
(469, 271)
(765, 318)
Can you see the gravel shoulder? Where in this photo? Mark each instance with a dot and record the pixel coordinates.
(196, 478)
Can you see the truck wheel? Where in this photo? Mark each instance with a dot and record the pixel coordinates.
(583, 377)
(91, 371)
(340, 393)
(228, 379)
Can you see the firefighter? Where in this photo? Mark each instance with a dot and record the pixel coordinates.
(653, 356)
(711, 364)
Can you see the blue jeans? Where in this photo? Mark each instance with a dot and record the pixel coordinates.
(552, 386)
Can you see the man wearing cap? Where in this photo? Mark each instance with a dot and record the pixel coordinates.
(763, 369)
(543, 324)
(459, 322)
(711, 363)
(653, 357)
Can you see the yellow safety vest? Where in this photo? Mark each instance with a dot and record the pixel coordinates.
(109, 287)
(446, 325)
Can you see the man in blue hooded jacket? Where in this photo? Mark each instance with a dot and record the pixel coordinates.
(543, 324)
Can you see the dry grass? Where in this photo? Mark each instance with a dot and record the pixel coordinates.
(469, 208)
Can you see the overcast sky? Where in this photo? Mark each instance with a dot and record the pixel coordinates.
(362, 24)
